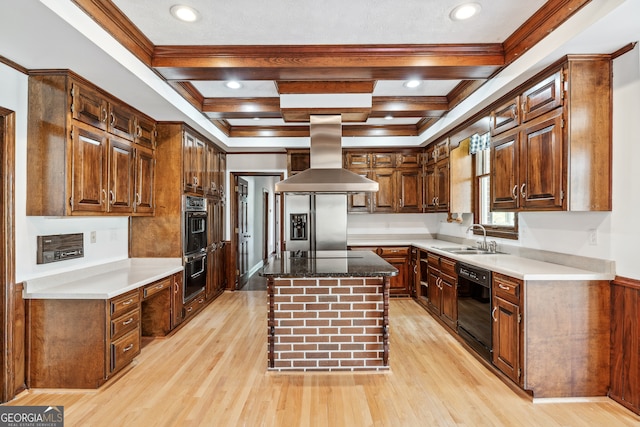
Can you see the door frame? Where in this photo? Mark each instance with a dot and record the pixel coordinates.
(233, 220)
(8, 378)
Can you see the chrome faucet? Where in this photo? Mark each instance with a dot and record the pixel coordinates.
(483, 245)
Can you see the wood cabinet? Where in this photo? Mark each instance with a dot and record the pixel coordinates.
(81, 343)
(625, 343)
(436, 178)
(442, 284)
(81, 150)
(145, 175)
(400, 258)
(544, 156)
(507, 326)
(398, 174)
(156, 307)
(297, 161)
(422, 278)
(177, 292)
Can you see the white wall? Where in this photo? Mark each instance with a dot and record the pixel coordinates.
(111, 233)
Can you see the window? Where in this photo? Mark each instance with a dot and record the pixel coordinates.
(497, 224)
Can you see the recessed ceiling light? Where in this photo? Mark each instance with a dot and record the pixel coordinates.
(412, 83)
(256, 118)
(185, 13)
(232, 84)
(465, 11)
(389, 117)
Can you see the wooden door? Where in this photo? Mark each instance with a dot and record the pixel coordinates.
(505, 117)
(88, 184)
(89, 107)
(145, 132)
(384, 198)
(188, 152)
(177, 312)
(121, 121)
(145, 180)
(449, 309)
(430, 188)
(505, 180)
(357, 160)
(210, 170)
(359, 202)
(442, 185)
(399, 285)
(409, 190)
(199, 166)
(434, 293)
(541, 164)
(383, 160)
(242, 257)
(506, 337)
(543, 97)
(121, 176)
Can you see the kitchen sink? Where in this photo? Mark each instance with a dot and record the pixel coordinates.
(468, 251)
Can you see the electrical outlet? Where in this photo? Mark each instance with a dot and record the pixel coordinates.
(593, 237)
(92, 237)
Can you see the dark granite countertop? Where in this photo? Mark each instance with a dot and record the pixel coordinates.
(328, 264)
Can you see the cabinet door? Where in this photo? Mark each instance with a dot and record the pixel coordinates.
(409, 190)
(357, 160)
(430, 188)
(145, 132)
(145, 180)
(121, 176)
(177, 312)
(384, 198)
(434, 301)
(210, 170)
(121, 121)
(541, 164)
(449, 309)
(194, 163)
(89, 107)
(505, 117)
(506, 337)
(399, 285)
(505, 181)
(543, 97)
(383, 160)
(359, 202)
(442, 185)
(88, 185)
(408, 160)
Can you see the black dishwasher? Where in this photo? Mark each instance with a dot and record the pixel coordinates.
(474, 307)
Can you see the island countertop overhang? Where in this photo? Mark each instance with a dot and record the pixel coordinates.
(339, 263)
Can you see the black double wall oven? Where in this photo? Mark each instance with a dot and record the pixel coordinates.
(195, 246)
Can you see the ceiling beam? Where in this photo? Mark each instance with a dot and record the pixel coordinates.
(299, 87)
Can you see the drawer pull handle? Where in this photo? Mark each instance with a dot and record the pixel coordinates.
(189, 309)
(493, 312)
(127, 322)
(160, 286)
(127, 302)
(127, 348)
(506, 288)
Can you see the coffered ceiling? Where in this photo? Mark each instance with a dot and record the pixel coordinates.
(294, 58)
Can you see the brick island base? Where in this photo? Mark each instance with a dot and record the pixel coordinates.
(328, 324)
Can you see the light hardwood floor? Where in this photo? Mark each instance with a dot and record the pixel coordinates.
(213, 372)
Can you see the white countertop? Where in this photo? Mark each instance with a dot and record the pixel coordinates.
(103, 281)
(511, 265)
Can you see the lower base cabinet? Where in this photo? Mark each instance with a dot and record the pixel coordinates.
(442, 285)
(400, 258)
(507, 326)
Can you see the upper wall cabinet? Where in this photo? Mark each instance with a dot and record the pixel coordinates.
(552, 150)
(87, 153)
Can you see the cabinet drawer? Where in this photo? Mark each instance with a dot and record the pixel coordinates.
(123, 324)
(124, 303)
(125, 349)
(156, 287)
(448, 266)
(192, 307)
(433, 260)
(393, 251)
(507, 287)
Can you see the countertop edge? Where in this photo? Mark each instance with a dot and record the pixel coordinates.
(59, 291)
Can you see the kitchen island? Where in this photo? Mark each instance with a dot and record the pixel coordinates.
(328, 311)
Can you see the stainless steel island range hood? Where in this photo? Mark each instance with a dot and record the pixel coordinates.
(326, 174)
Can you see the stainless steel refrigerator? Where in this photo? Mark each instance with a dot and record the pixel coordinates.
(315, 222)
